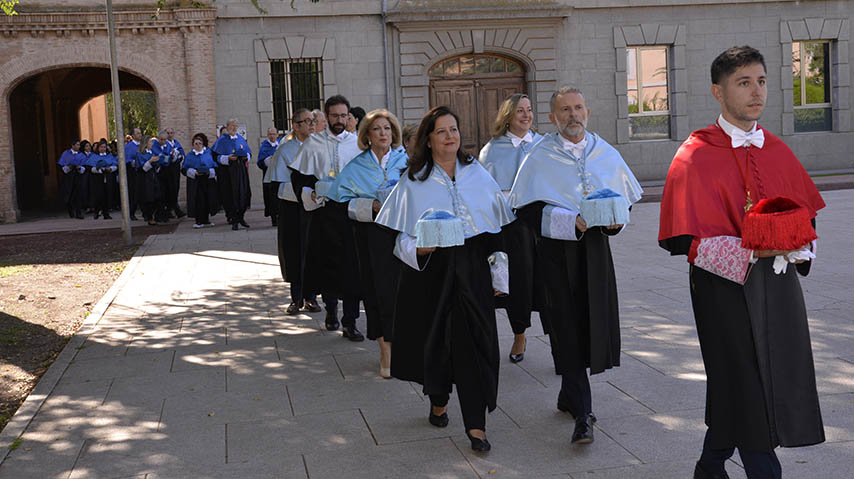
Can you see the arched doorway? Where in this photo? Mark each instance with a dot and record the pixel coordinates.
(474, 86)
(45, 118)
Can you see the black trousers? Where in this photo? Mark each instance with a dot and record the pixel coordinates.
(202, 203)
(132, 181)
(170, 179)
(575, 388)
(757, 465)
(467, 378)
(351, 308)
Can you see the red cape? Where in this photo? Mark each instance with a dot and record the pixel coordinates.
(704, 193)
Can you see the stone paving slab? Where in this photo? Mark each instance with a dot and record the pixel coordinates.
(192, 369)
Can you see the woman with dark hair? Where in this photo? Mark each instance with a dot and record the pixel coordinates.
(511, 141)
(86, 150)
(102, 176)
(200, 169)
(444, 329)
(150, 193)
(358, 186)
(71, 188)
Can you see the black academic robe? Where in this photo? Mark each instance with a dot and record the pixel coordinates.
(289, 240)
(582, 311)
(241, 195)
(379, 272)
(449, 305)
(526, 292)
(202, 190)
(760, 377)
(329, 260)
(71, 190)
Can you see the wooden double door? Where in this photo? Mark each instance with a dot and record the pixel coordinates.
(476, 102)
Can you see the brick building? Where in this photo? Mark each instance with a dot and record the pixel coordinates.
(643, 65)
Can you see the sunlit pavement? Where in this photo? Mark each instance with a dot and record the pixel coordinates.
(195, 371)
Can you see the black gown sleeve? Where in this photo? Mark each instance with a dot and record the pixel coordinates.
(804, 268)
(299, 181)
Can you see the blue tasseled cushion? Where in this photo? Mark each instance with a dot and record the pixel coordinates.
(321, 188)
(605, 208)
(439, 229)
(384, 190)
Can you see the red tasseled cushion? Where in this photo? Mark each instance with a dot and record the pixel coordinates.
(777, 223)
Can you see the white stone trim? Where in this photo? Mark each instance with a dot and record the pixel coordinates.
(674, 38)
(837, 31)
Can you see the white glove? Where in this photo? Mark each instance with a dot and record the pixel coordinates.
(114, 168)
(213, 173)
(146, 166)
(66, 169)
(81, 169)
(223, 160)
(191, 172)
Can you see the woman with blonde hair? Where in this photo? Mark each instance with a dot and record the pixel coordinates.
(511, 141)
(378, 167)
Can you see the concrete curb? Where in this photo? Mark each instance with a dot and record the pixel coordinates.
(31, 405)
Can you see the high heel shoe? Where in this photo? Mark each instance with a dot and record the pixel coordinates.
(385, 373)
(478, 445)
(517, 358)
(438, 421)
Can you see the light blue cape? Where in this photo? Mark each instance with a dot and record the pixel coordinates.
(363, 176)
(502, 160)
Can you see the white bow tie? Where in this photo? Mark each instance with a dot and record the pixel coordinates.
(576, 149)
(518, 141)
(742, 138)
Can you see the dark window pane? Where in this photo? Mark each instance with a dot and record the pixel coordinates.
(295, 84)
(813, 119)
(482, 65)
(649, 127)
(498, 66)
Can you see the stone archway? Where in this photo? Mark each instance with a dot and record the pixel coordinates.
(474, 86)
(170, 54)
(43, 110)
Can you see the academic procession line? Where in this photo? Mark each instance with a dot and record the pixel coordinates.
(434, 241)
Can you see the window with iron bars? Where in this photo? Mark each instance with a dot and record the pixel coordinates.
(296, 84)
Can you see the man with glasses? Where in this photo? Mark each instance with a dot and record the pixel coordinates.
(292, 219)
(329, 259)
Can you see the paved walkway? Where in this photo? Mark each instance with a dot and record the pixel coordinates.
(189, 368)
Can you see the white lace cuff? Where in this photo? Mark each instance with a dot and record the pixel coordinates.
(499, 266)
(308, 203)
(361, 209)
(405, 249)
(559, 223)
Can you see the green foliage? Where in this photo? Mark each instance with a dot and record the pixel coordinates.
(16, 444)
(8, 6)
(139, 110)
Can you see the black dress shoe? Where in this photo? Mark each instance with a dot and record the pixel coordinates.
(179, 213)
(311, 306)
(353, 334)
(78, 215)
(97, 216)
(440, 420)
(243, 223)
(478, 445)
(699, 473)
(107, 216)
(583, 433)
(332, 321)
(293, 308)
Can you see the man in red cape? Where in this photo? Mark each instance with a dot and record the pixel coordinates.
(753, 332)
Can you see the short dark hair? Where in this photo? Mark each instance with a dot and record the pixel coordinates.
(335, 100)
(733, 58)
(422, 157)
(202, 137)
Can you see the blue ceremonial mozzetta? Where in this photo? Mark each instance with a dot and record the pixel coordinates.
(385, 189)
(439, 229)
(321, 188)
(605, 207)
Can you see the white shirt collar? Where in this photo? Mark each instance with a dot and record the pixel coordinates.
(528, 138)
(200, 152)
(272, 143)
(576, 149)
(135, 142)
(384, 160)
(233, 137)
(728, 127)
(739, 137)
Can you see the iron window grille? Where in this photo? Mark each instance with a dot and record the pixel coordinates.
(296, 84)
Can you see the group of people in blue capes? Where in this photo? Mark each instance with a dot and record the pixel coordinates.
(89, 179)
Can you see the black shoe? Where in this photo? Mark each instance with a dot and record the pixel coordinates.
(234, 226)
(438, 421)
(583, 433)
(332, 321)
(97, 216)
(699, 473)
(134, 218)
(293, 308)
(107, 216)
(70, 214)
(478, 445)
(78, 215)
(179, 213)
(353, 334)
(243, 223)
(311, 306)
(274, 222)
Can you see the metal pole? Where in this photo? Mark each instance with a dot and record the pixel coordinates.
(120, 130)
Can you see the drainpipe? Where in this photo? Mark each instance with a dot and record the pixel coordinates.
(385, 57)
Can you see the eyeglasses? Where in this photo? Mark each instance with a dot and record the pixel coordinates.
(342, 116)
(311, 121)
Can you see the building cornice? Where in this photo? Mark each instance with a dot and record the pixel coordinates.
(411, 19)
(87, 23)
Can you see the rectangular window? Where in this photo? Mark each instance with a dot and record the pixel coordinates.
(811, 81)
(648, 93)
(296, 84)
